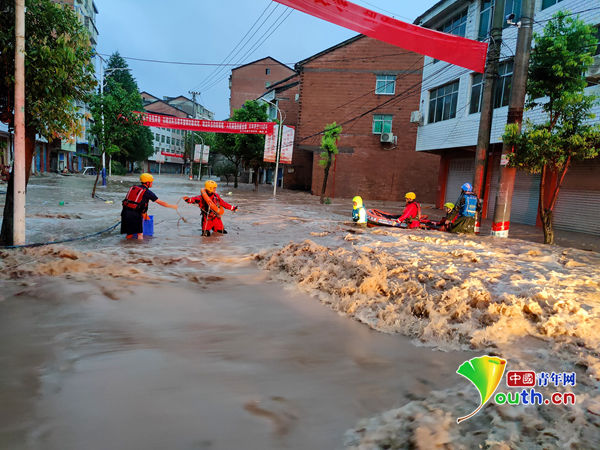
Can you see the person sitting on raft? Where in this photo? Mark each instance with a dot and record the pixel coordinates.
(446, 221)
(467, 207)
(135, 207)
(212, 206)
(411, 215)
(359, 213)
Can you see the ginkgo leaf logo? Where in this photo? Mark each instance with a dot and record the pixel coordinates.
(485, 372)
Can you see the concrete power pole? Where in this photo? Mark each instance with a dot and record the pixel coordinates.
(501, 223)
(19, 174)
(487, 99)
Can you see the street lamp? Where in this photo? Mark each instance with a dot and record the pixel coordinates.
(277, 145)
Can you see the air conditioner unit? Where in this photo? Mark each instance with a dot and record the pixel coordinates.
(416, 117)
(387, 137)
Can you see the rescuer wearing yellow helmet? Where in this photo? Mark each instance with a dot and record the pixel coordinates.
(411, 215)
(359, 213)
(135, 207)
(212, 206)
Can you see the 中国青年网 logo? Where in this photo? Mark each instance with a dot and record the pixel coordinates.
(486, 372)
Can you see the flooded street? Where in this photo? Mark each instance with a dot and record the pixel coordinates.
(182, 341)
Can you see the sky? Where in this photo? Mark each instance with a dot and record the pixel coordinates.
(212, 32)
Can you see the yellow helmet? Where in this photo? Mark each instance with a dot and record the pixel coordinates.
(210, 185)
(358, 200)
(410, 195)
(146, 178)
(449, 205)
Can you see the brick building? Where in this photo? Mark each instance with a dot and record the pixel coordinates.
(370, 88)
(248, 82)
(450, 111)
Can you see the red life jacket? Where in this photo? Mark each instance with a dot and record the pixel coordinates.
(134, 199)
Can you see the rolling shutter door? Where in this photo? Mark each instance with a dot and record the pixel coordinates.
(460, 171)
(579, 209)
(525, 197)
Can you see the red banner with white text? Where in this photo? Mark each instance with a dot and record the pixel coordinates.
(213, 126)
(456, 50)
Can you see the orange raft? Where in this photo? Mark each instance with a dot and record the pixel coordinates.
(377, 217)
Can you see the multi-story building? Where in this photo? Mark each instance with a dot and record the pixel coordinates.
(248, 82)
(370, 88)
(450, 111)
(169, 144)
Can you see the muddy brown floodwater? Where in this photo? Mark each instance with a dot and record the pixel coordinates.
(182, 341)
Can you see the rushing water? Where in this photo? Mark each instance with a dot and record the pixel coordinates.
(195, 346)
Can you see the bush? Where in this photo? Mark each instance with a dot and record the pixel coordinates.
(117, 168)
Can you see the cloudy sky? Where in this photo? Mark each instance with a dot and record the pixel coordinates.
(210, 32)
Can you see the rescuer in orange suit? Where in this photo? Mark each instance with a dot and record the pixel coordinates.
(212, 206)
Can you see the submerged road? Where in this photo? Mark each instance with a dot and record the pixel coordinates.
(201, 349)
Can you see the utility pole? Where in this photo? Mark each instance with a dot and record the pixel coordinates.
(103, 132)
(487, 99)
(501, 223)
(193, 148)
(19, 174)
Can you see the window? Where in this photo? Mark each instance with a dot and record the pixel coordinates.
(385, 84)
(267, 84)
(501, 90)
(512, 7)
(267, 71)
(597, 52)
(503, 84)
(485, 18)
(382, 123)
(476, 93)
(157, 137)
(442, 102)
(168, 140)
(457, 25)
(549, 3)
(162, 138)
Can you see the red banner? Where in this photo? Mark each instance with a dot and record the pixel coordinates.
(172, 155)
(214, 126)
(456, 50)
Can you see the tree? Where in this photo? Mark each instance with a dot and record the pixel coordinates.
(58, 74)
(252, 146)
(244, 148)
(137, 144)
(329, 146)
(556, 83)
(120, 125)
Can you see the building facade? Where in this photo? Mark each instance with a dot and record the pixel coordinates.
(248, 82)
(169, 144)
(450, 107)
(370, 88)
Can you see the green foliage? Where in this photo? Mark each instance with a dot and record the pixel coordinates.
(58, 68)
(243, 147)
(134, 140)
(329, 144)
(117, 168)
(121, 127)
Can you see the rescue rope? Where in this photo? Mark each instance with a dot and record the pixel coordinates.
(62, 241)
